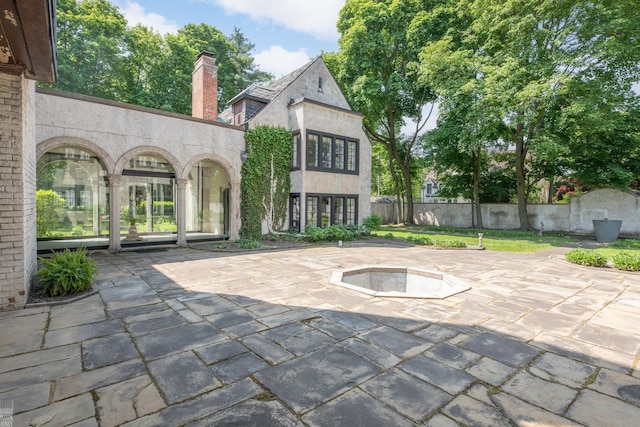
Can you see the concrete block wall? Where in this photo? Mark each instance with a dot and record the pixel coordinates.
(17, 190)
(575, 217)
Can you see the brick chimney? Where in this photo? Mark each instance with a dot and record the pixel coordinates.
(204, 87)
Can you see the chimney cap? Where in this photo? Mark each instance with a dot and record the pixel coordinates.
(205, 53)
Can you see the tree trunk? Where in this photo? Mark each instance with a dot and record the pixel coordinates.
(476, 186)
(521, 184)
(396, 186)
(551, 189)
(409, 219)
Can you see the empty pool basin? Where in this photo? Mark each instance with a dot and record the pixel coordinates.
(408, 282)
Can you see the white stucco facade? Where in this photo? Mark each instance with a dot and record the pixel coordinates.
(313, 102)
(117, 132)
(120, 137)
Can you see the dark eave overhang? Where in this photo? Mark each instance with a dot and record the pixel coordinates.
(28, 38)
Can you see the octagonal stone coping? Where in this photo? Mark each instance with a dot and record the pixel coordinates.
(407, 282)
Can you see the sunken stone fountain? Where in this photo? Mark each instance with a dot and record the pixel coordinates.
(405, 282)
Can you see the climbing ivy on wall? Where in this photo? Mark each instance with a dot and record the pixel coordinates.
(265, 179)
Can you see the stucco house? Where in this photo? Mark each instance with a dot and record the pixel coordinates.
(331, 166)
(121, 175)
(430, 189)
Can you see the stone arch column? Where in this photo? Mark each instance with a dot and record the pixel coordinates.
(181, 211)
(115, 183)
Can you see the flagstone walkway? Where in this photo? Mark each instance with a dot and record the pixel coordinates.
(198, 338)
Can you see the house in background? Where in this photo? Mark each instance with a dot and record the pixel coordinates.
(431, 188)
(330, 168)
(127, 176)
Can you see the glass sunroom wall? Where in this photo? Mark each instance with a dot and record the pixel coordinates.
(71, 194)
(208, 199)
(147, 196)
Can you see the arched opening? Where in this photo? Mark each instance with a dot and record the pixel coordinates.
(71, 198)
(148, 200)
(207, 200)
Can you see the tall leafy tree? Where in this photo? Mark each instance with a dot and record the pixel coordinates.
(236, 69)
(603, 142)
(140, 72)
(376, 69)
(91, 38)
(524, 63)
(247, 71)
(99, 55)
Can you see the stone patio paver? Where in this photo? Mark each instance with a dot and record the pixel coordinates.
(595, 409)
(472, 412)
(182, 376)
(618, 385)
(306, 382)
(190, 337)
(355, 408)
(503, 349)
(58, 414)
(238, 367)
(524, 414)
(251, 413)
(548, 395)
(412, 398)
(127, 400)
(99, 352)
(437, 373)
(565, 371)
(90, 380)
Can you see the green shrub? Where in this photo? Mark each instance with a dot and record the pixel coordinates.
(78, 230)
(339, 232)
(67, 272)
(372, 223)
(586, 257)
(248, 244)
(48, 202)
(389, 236)
(290, 236)
(417, 240)
(314, 234)
(627, 261)
(442, 243)
(329, 234)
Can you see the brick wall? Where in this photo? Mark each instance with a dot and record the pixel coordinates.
(17, 190)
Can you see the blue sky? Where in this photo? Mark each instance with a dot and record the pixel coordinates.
(286, 33)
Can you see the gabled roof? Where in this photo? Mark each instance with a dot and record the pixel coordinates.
(263, 94)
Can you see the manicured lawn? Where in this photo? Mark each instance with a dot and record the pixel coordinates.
(503, 240)
(614, 248)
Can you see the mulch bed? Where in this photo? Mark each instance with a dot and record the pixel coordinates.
(36, 298)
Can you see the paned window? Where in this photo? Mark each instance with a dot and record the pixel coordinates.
(324, 210)
(295, 157)
(312, 210)
(339, 154)
(331, 153)
(338, 210)
(327, 151)
(294, 213)
(352, 212)
(352, 150)
(312, 150)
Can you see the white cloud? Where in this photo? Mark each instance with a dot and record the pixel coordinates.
(314, 17)
(134, 14)
(280, 61)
